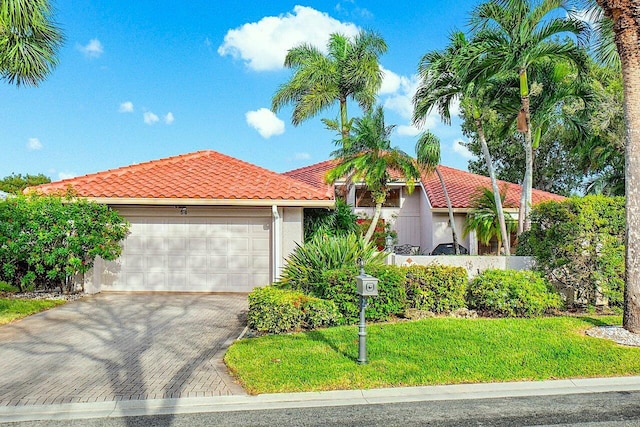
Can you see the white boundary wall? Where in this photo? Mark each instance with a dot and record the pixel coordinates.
(473, 264)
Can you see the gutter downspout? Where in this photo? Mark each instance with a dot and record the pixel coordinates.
(277, 243)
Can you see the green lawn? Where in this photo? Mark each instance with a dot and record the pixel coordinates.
(431, 351)
(13, 309)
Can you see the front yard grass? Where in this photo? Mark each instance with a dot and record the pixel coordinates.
(13, 308)
(431, 351)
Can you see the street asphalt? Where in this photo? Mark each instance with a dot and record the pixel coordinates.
(195, 405)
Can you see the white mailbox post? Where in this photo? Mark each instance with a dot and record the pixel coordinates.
(367, 286)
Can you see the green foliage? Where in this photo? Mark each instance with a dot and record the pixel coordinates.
(46, 240)
(339, 286)
(333, 222)
(14, 184)
(304, 267)
(380, 233)
(276, 310)
(436, 288)
(484, 219)
(512, 293)
(7, 288)
(579, 243)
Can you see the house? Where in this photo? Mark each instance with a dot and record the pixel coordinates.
(202, 221)
(421, 218)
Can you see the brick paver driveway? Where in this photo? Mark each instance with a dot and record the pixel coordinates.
(120, 347)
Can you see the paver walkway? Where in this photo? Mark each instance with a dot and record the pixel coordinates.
(121, 347)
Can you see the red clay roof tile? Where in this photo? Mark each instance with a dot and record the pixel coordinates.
(200, 175)
(461, 185)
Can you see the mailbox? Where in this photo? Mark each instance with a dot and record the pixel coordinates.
(367, 285)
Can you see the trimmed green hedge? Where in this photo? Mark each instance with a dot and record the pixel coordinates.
(512, 293)
(340, 287)
(276, 310)
(436, 288)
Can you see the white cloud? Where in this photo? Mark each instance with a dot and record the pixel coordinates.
(390, 82)
(93, 49)
(401, 100)
(302, 156)
(150, 118)
(265, 122)
(126, 107)
(461, 149)
(408, 130)
(66, 175)
(34, 144)
(168, 118)
(263, 45)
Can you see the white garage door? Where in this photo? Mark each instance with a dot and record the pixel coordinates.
(213, 254)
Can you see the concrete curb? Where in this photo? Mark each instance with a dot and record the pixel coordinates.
(128, 408)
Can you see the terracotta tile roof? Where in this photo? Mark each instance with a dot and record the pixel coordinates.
(461, 185)
(200, 175)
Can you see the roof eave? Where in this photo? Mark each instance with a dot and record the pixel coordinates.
(324, 203)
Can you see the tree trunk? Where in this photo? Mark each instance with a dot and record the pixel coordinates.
(343, 120)
(496, 191)
(454, 233)
(626, 21)
(374, 222)
(525, 207)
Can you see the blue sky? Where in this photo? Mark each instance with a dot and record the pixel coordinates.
(141, 80)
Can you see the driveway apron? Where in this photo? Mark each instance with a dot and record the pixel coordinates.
(121, 347)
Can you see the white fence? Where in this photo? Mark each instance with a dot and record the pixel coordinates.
(474, 264)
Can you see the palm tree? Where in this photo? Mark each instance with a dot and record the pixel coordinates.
(625, 15)
(483, 217)
(428, 156)
(444, 79)
(513, 35)
(29, 41)
(367, 157)
(350, 69)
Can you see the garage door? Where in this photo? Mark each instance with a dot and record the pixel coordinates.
(213, 254)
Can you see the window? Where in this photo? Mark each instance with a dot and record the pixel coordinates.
(364, 199)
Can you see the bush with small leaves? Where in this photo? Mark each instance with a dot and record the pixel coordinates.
(436, 288)
(512, 293)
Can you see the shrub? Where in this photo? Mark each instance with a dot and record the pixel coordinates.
(332, 222)
(46, 240)
(436, 288)
(512, 293)
(339, 286)
(276, 310)
(304, 267)
(579, 244)
(7, 288)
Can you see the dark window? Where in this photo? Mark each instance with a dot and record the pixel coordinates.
(364, 199)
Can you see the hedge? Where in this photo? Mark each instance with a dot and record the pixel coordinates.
(436, 288)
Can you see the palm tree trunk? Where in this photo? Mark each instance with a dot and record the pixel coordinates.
(374, 222)
(454, 233)
(626, 23)
(494, 185)
(525, 204)
(343, 120)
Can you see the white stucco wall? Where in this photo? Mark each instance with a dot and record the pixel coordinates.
(473, 264)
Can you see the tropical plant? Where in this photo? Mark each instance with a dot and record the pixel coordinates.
(514, 35)
(333, 222)
(625, 16)
(29, 41)
(304, 267)
(350, 69)
(444, 79)
(368, 157)
(483, 217)
(428, 156)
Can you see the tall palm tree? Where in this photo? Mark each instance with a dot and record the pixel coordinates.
(444, 80)
(428, 156)
(350, 69)
(29, 41)
(513, 35)
(483, 217)
(368, 157)
(625, 15)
